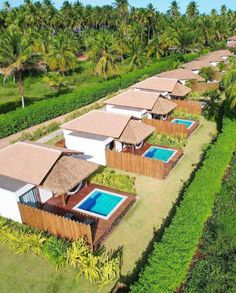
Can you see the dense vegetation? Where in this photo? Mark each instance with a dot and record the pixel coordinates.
(100, 267)
(110, 178)
(37, 37)
(167, 140)
(214, 265)
(169, 262)
(20, 119)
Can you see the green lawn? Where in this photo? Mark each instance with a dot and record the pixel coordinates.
(36, 89)
(134, 233)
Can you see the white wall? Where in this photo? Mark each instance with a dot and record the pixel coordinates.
(214, 63)
(9, 202)
(134, 112)
(93, 146)
(196, 71)
(183, 81)
(45, 194)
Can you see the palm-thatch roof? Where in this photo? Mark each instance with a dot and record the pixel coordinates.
(135, 132)
(67, 173)
(163, 106)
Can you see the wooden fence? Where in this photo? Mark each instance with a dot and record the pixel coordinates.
(137, 164)
(178, 130)
(190, 107)
(204, 86)
(54, 224)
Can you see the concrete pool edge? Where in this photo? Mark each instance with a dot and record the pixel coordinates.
(164, 148)
(191, 125)
(123, 198)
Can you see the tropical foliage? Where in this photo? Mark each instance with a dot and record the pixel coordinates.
(214, 264)
(169, 261)
(100, 267)
(167, 140)
(107, 35)
(110, 178)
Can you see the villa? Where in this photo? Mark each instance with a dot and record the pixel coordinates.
(140, 104)
(46, 188)
(183, 75)
(196, 65)
(167, 87)
(231, 42)
(97, 131)
(33, 173)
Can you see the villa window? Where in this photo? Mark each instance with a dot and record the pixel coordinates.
(30, 198)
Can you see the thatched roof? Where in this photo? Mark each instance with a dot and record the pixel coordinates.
(67, 173)
(233, 38)
(163, 106)
(180, 90)
(135, 132)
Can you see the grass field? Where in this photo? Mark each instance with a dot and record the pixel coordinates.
(36, 89)
(134, 233)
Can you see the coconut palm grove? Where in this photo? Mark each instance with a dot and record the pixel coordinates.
(117, 148)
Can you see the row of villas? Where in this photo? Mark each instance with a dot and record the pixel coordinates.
(42, 185)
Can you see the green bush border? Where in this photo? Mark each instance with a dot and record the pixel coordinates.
(169, 262)
(21, 119)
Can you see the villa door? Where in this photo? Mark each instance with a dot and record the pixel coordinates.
(30, 198)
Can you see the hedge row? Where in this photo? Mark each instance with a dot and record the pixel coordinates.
(20, 119)
(169, 262)
(214, 267)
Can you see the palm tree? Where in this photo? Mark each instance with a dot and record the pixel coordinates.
(174, 9)
(122, 7)
(192, 9)
(62, 56)
(136, 55)
(105, 53)
(17, 57)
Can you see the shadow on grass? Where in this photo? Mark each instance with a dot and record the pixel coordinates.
(11, 106)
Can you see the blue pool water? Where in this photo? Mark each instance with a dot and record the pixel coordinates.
(158, 153)
(187, 123)
(100, 203)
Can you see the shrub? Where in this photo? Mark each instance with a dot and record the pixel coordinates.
(184, 115)
(169, 262)
(20, 119)
(167, 140)
(214, 267)
(100, 267)
(38, 133)
(112, 179)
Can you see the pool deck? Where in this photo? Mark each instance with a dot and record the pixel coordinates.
(102, 227)
(168, 166)
(191, 129)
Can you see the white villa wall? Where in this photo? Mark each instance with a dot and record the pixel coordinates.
(93, 146)
(196, 71)
(134, 112)
(214, 63)
(45, 194)
(9, 203)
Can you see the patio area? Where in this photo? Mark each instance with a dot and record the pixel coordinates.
(173, 161)
(100, 227)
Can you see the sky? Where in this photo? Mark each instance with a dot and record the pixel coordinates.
(161, 5)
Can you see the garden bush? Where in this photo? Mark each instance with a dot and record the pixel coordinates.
(184, 115)
(167, 140)
(20, 119)
(38, 133)
(110, 178)
(169, 261)
(214, 267)
(100, 267)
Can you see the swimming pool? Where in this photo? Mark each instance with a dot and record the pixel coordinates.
(158, 153)
(187, 123)
(100, 203)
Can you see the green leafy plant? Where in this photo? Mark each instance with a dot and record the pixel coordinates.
(112, 179)
(167, 140)
(184, 115)
(169, 261)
